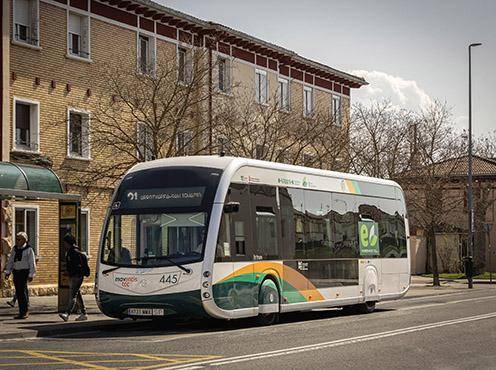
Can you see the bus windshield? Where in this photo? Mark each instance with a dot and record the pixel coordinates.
(150, 240)
(159, 217)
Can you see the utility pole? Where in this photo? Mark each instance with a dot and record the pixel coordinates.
(470, 241)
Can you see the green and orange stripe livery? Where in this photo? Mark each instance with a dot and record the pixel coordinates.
(294, 286)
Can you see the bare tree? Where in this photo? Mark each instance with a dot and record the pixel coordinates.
(421, 151)
(154, 110)
(485, 145)
(379, 144)
(246, 128)
(432, 193)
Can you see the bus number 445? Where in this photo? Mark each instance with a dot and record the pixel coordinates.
(169, 279)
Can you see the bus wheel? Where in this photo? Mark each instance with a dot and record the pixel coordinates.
(367, 307)
(268, 303)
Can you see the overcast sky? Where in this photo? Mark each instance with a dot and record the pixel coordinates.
(409, 51)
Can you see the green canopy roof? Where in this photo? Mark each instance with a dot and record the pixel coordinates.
(31, 182)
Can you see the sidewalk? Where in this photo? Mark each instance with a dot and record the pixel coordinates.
(44, 320)
(422, 286)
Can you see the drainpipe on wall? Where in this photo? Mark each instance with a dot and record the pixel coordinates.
(210, 78)
(4, 117)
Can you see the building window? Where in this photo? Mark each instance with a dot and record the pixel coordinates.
(26, 125)
(308, 101)
(26, 219)
(26, 21)
(79, 35)
(224, 74)
(283, 92)
(184, 143)
(145, 142)
(84, 223)
(146, 54)
(261, 86)
(78, 145)
(337, 118)
(184, 65)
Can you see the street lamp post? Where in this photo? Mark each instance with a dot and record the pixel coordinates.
(470, 244)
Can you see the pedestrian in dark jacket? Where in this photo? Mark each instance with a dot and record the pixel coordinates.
(75, 264)
(22, 265)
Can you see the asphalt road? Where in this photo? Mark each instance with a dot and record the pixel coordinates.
(452, 331)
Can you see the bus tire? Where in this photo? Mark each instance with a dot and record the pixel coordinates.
(268, 303)
(362, 308)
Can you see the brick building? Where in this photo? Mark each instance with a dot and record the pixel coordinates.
(51, 47)
(451, 237)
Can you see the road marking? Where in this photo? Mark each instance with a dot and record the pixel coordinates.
(64, 360)
(96, 360)
(335, 343)
(445, 303)
(440, 295)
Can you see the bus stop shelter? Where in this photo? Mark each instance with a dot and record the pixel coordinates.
(35, 183)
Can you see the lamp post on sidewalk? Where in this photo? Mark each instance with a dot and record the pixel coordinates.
(470, 244)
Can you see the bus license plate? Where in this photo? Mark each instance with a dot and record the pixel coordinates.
(145, 311)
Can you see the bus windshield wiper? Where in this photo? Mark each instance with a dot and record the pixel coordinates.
(105, 272)
(185, 269)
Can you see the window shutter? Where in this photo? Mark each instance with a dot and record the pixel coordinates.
(265, 83)
(151, 54)
(75, 24)
(85, 132)
(258, 80)
(22, 11)
(85, 37)
(34, 22)
(227, 75)
(189, 66)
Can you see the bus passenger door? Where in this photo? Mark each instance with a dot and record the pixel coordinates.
(223, 267)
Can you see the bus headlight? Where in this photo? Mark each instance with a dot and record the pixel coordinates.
(206, 274)
(205, 284)
(206, 295)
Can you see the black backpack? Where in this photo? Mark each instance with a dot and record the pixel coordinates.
(85, 268)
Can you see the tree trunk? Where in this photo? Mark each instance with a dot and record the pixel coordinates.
(431, 245)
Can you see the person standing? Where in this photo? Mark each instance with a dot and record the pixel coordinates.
(77, 269)
(22, 265)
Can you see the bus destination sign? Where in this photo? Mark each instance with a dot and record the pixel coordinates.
(165, 197)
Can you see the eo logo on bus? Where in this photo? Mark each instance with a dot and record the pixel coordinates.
(369, 238)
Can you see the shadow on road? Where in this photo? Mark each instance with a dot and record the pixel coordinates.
(144, 328)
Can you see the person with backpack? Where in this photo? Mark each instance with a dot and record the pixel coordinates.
(77, 269)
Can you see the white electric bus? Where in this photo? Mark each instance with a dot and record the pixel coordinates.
(232, 237)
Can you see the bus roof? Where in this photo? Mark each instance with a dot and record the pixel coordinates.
(215, 161)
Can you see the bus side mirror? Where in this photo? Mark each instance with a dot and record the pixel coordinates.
(231, 207)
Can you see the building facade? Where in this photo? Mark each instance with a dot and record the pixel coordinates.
(53, 49)
(451, 235)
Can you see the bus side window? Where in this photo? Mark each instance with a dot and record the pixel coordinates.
(288, 242)
(234, 242)
(264, 204)
(223, 249)
(345, 223)
(318, 233)
(293, 216)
